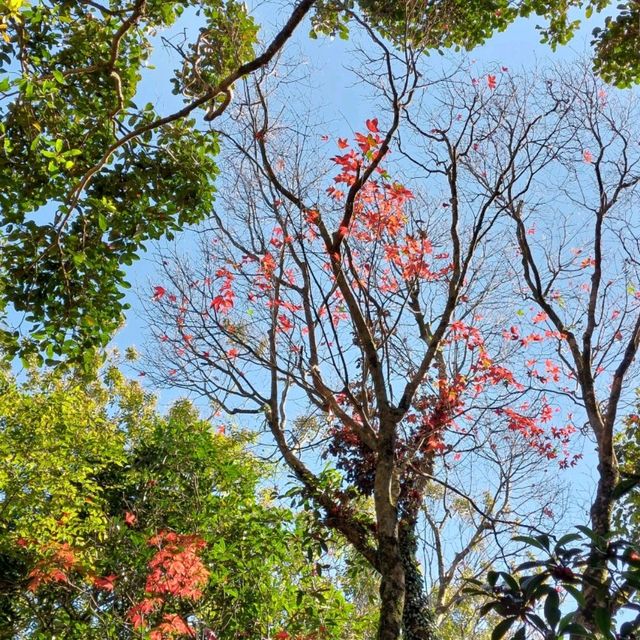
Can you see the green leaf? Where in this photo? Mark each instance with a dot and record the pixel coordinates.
(564, 540)
(552, 608)
(531, 584)
(576, 629)
(540, 542)
(602, 619)
(502, 628)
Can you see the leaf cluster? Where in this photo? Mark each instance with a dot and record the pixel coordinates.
(528, 598)
(92, 466)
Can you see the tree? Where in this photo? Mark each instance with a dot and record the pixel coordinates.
(578, 269)
(363, 320)
(89, 176)
(153, 524)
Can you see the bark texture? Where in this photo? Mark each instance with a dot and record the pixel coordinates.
(418, 619)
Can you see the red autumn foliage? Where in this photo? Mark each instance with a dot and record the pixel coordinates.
(176, 569)
(176, 573)
(172, 626)
(60, 559)
(106, 583)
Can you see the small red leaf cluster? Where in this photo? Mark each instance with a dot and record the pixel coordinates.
(176, 572)
(223, 302)
(60, 559)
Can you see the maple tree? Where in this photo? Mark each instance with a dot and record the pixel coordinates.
(377, 323)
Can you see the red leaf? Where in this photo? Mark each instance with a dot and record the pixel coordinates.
(372, 125)
(491, 82)
(107, 583)
(158, 292)
(342, 143)
(222, 303)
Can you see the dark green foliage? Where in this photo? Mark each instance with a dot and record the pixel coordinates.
(87, 176)
(617, 46)
(528, 598)
(458, 24)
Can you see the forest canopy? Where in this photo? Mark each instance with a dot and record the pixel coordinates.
(396, 349)
(90, 176)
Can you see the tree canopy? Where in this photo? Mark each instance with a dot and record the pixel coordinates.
(116, 521)
(89, 176)
(425, 322)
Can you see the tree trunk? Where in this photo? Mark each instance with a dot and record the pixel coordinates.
(418, 620)
(386, 494)
(392, 589)
(595, 588)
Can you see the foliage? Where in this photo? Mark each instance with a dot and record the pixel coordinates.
(533, 602)
(627, 514)
(55, 442)
(618, 46)
(455, 23)
(152, 524)
(87, 175)
(464, 25)
(335, 291)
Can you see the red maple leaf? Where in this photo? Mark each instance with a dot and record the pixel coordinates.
(372, 125)
(158, 292)
(172, 625)
(129, 518)
(223, 302)
(107, 582)
(284, 323)
(491, 82)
